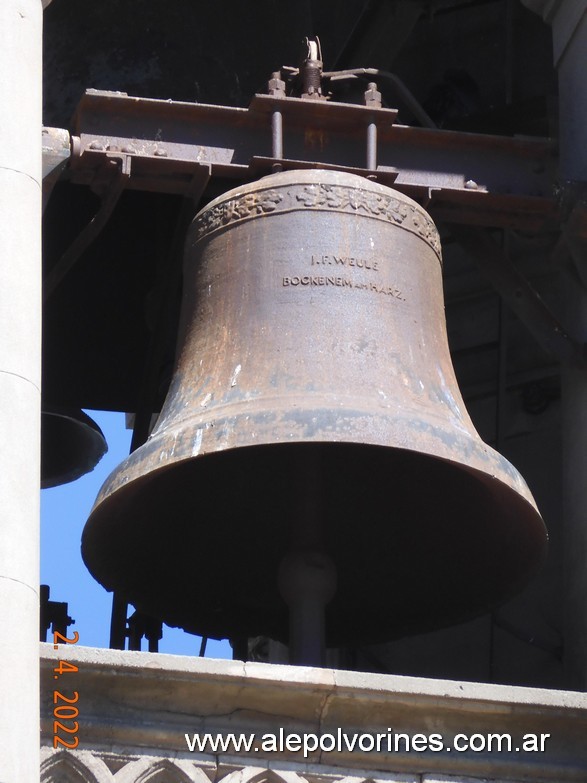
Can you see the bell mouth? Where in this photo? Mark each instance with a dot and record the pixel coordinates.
(418, 541)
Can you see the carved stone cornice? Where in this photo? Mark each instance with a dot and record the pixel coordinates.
(135, 709)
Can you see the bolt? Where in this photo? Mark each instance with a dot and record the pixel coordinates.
(131, 150)
(276, 85)
(96, 145)
(311, 69)
(372, 96)
(161, 153)
(113, 148)
(470, 184)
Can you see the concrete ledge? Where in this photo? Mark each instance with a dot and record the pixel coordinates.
(137, 706)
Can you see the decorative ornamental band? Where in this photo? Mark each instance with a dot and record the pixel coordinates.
(378, 205)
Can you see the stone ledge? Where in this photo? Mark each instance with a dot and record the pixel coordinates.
(139, 705)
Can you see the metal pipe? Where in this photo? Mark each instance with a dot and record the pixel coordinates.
(400, 88)
(277, 139)
(371, 146)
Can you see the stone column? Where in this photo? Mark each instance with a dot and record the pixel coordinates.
(569, 27)
(20, 354)
(569, 21)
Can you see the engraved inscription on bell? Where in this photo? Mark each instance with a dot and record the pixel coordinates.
(342, 261)
(340, 282)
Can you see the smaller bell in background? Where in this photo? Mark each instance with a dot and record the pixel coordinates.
(72, 444)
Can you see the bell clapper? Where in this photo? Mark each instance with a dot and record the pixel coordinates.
(307, 582)
(307, 575)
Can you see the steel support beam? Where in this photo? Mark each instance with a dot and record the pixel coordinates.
(462, 177)
(520, 296)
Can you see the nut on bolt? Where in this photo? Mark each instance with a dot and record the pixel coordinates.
(470, 184)
(372, 96)
(276, 85)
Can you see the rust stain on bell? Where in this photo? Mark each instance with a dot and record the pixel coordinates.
(313, 333)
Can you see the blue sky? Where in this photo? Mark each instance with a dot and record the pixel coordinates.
(64, 511)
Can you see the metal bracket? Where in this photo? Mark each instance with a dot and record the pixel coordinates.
(56, 151)
(111, 180)
(520, 296)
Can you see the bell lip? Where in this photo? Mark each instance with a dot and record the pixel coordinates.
(196, 437)
(536, 536)
(119, 479)
(148, 458)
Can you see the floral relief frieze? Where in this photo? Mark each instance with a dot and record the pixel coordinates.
(390, 207)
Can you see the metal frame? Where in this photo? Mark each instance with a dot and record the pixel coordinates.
(474, 179)
(464, 179)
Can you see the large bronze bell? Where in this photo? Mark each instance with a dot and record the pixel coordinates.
(314, 409)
